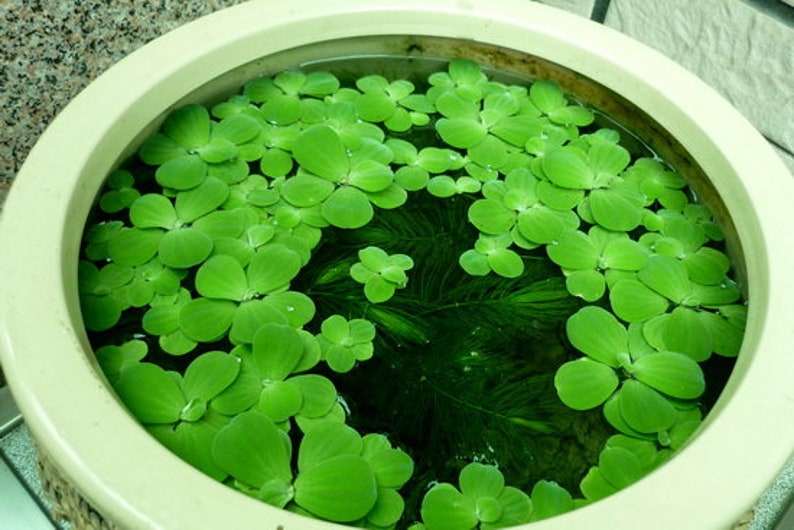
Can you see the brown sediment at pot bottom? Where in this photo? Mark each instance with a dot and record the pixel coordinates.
(68, 504)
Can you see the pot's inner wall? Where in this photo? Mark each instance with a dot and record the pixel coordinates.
(422, 55)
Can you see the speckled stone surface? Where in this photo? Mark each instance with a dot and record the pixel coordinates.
(50, 50)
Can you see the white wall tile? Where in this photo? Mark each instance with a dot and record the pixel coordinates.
(744, 53)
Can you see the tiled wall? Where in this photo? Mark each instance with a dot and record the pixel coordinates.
(742, 48)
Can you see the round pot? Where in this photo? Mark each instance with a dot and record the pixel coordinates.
(137, 483)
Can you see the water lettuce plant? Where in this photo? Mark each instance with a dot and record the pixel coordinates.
(245, 283)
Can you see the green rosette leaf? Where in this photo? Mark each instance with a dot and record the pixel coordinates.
(225, 224)
(370, 176)
(342, 489)
(347, 207)
(633, 301)
(490, 152)
(377, 289)
(100, 313)
(584, 384)
(189, 126)
(392, 197)
(151, 394)
(707, 266)
(674, 374)
(617, 208)
(474, 263)
(159, 148)
(726, 338)
(392, 467)
(549, 499)
(277, 350)
(567, 167)
(201, 200)
(250, 316)
(462, 133)
(667, 276)
(543, 225)
(320, 150)
(192, 442)
(153, 211)
(517, 130)
(205, 320)
(644, 409)
(480, 480)
(209, 374)
(608, 158)
(375, 107)
(217, 151)
(574, 251)
(387, 510)
(620, 467)
(547, 96)
(319, 84)
(558, 198)
(296, 307)
(161, 319)
(282, 110)
(184, 247)
(237, 129)
(222, 277)
(491, 217)
(589, 285)
(597, 333)
(595, 486)
(306, 190)
(181, 173)
(253, 450)
(445, 508)
(411, 178)
(505, 263)
(624, 254)
(685, 332)
(328, 441)
(318, 394)
(272, 267)
(280, 400)
(176, 343)
(276, 163)
(442, 186)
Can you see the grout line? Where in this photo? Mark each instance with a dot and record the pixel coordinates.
(600, 8)
(781, 10)
(24, 486)
(9, 414)
(780, 146)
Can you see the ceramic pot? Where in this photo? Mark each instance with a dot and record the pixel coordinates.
(137, 483)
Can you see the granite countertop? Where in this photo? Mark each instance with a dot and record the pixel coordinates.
(50, 50)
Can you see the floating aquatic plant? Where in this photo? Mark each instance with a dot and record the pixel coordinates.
(221, 280)
(381, 273)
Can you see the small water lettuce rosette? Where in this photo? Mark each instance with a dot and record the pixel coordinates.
(245, 284)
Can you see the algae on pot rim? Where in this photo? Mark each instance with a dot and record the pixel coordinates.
(52, 371)
(384, 304)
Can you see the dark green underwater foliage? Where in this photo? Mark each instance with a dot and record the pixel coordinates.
(447, 305)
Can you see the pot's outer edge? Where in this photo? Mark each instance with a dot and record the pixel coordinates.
(52, 391)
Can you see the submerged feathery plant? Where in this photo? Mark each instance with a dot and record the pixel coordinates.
(552, 272)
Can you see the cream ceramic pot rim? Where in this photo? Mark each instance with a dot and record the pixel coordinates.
(137, 483)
